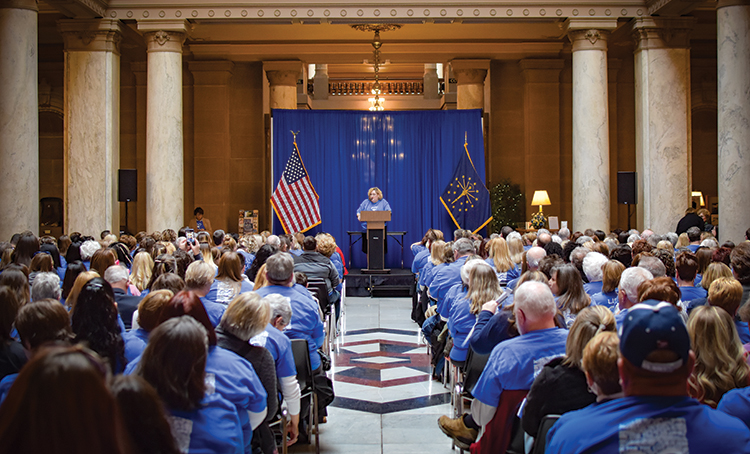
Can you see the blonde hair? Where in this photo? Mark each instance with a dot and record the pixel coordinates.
(149, 309)
(666, 245)
(483, 287)
(437, 252)
(199, 274)
(501, 255)
(326, 245)
(714, 271)
(600, 361)
(80, 281)
(682, 241)
(143, 266)
(207, 255)
(719, 361)
(588, 323)
(726, 293)
(377, 191)
(247, 316)
(230, 271)
(260, 278)
(515, 247)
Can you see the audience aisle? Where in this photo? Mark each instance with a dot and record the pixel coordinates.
(385, 400)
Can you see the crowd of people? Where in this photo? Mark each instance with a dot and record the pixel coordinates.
(161, 343)
(539, 315)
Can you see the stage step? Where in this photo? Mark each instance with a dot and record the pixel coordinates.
(391, 290)
(398, 282)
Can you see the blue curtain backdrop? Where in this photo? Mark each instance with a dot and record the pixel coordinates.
(409, 155)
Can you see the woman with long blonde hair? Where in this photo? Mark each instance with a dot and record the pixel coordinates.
(143, 266)
(437, 253)
(230, 281)
(719, 360)
(500, 260)
(515, 247)
(482, 286)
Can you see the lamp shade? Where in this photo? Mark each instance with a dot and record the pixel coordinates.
(541, 198)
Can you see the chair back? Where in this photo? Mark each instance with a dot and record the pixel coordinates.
(301, 355)
(540, 442)
(473, 368)
(319, 288)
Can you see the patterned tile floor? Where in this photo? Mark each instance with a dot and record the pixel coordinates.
(385, 400)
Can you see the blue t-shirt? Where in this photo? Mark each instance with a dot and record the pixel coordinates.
(213, 427)
(135, 342)
(515, 363)
(305, 323)
(223, 293)
(444, 306)
(743, 331)
(460, 323)
(605, 299)
(503, 277)
(280, 348)
(214, 310)
(431, 272)
(367, 205)
(490, 330)
(420, 260)
(592, 288)
(445, 278)
(425, 271)
(5, 385)
(692, 293)
(648, 424)
(735, 402)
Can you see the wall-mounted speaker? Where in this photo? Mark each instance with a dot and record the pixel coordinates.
(128, 185)
(626, 188)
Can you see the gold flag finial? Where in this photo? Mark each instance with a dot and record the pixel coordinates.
(295, 135)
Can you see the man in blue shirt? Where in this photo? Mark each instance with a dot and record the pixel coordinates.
(627, 295)
(514, 363)
(450, 275)
(656, 414)
(686, 265)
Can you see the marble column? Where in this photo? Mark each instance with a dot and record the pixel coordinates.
(164, 140)
(470, 75)
(282, 77)
(662, 124)
(92, 124)
(430, 81)
(733, 62)
(320, 81)
(19, 118)
(590, 123)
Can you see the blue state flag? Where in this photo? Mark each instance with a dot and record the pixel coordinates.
(466, 198)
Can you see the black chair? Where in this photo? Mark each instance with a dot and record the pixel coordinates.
(319, 289)
(278, 427)
(540, 442)
(301, 355)
(473, 369)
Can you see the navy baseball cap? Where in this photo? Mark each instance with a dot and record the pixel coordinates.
(651, 326)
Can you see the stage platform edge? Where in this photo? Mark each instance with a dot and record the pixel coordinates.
(398, 283)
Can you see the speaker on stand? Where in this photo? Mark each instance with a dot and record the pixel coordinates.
(626, 190)
(127, 189)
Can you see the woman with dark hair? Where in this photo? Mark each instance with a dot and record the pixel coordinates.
(12, 356)
(168, 281)
(71, 273)
(264, 252)
(162, 264)
(101, 260)
(122, 254)
(230, 281)
(144, 416)
(6, 255)
(95, 321)
(17, 281)
(45, 411)
(27, 246)
(145, 319)
(51, 249)
(74, 252)
(234, 377)
(567, 286)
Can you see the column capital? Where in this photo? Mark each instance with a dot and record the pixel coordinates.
(284, 73)
(470, 71)
(19, 4)
(725, 3)
(662, 32)
(164, 35)
(211, 72)
(589, 33)
(91, 35)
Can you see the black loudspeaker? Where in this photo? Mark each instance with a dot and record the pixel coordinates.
(626, 188)
(128, 189)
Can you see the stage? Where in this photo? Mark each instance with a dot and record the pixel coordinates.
(399, 282)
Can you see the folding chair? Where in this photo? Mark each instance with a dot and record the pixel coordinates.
(540, 442)
(319, 289)
(278, 427)
(301, 355)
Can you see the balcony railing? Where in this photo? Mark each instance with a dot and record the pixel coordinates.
(388, 87)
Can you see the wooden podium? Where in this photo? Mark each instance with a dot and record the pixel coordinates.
(375, 240)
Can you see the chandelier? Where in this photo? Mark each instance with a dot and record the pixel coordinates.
(376, 102)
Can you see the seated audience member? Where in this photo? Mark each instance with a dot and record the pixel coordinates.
(592, 267)
(686, 266)
(561, 385)
(316, 265)
(694, 235)
(147, 319)
(611, 272)
(740, 258)
(46, 285)
(144, 415)
(534, 255)
(726, 293)
(656, 413)
(199, 278)
(496, 322)
(71, 273)
(227, 374)
(719, 360)
(280, 348)
(163, 264)
(247, 316)
(654, 265)
(511, 366)
(12, 356)
(200, 421)
(260, 278)
(263, 254)
(118, 278)
(599, 363)
(37, 417)
(482, 286)
(566, 285)
(41, 263)
(433, 264)
(94, 320)
(450, 275)
(622, 254)
(230, 280)
(576, 259)
(169, 281)
(667, 258)
(421, 250)
(627, 295)
(499, 259)
(78, 284)
(17, 281)
(662, 289)
(714, 271)
(102, 260)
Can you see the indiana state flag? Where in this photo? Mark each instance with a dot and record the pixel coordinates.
(466, 198)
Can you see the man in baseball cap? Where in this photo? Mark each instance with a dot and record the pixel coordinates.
(656, 414)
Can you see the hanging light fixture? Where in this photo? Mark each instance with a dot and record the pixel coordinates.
(376, 102)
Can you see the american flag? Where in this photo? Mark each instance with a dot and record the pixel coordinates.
(295, 200)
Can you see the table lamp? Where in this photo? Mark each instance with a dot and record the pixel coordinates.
(541, 198)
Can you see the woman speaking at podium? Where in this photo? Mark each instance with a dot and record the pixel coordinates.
(373, 202)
